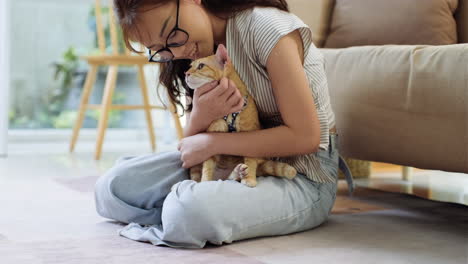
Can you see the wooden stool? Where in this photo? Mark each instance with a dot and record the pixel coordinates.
(113, 61)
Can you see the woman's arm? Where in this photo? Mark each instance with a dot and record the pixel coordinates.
(203, 110)
(187, 128)
(301, 132)
(195, 124)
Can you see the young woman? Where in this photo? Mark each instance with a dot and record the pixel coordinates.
(272, 51)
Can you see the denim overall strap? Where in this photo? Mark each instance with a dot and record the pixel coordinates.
(342, 165)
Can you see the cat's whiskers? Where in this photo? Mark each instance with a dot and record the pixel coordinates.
(194, 81)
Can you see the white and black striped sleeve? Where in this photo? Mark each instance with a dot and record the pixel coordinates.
(269, 25)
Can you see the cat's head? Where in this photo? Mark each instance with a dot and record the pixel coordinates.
(208, 69)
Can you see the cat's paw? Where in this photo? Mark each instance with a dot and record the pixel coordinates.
(196, 177)
(239, 172)
(249, 182)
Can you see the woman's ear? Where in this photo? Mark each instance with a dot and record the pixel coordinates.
(222, 55)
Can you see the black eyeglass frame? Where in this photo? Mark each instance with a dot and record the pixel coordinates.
(166, 48)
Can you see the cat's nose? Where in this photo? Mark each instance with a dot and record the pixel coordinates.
(187, 73)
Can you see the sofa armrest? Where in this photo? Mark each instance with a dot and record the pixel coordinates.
(402, 104)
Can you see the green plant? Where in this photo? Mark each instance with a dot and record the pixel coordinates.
(11, 115)
(66, 71)
(67, 118)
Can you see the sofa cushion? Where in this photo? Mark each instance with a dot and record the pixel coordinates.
(401, 104)
(462, 21)
(380, 22)
(316, 14)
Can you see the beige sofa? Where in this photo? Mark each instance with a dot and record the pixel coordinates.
(399, 104)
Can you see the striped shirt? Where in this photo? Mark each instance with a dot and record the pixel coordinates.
(250, 36)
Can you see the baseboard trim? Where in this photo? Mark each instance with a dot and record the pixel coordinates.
(86, 134)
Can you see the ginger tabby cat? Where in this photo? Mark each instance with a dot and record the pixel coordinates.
(245, 169)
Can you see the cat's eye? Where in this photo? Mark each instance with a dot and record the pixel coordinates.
(200, 66)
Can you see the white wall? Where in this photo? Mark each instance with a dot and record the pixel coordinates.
(4, 74)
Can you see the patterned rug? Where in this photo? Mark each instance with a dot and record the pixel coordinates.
(53, 220)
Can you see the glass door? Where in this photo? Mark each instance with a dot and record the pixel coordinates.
(4, 74)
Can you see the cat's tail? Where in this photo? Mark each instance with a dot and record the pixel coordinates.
(275, 168)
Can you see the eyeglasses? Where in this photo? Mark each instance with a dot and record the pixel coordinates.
(176, 38)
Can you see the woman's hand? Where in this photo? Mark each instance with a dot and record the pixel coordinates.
(214, 101)
(195, 149)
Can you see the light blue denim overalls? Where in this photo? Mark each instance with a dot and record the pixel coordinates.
(137, 191)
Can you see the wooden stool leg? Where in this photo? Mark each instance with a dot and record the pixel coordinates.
(178, 125)
(87, 88)
(407, 173)
(106, 107)
(147, 106)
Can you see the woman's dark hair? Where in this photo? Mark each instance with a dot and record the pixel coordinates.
(172, 73)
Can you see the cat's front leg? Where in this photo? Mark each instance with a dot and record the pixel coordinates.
(218, 125)
(208, 169)
(209, 166)
(251, 178)
(195, 173)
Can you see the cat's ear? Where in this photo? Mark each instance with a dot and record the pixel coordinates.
(222, 55)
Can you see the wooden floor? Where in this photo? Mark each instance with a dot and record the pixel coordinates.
(387, 167)
(430, 184)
